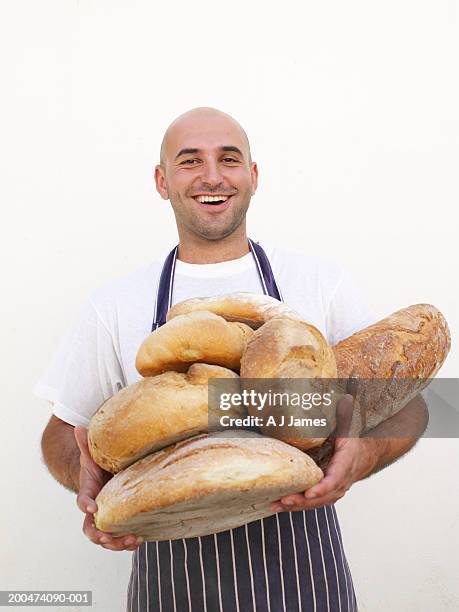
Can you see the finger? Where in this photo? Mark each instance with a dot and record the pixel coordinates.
(81, 437)
(107, 540)
(287, 502)
(96, 535)
(335, 479)
(90, 531)
(86, 503)
(292, 500)
(90, 487)
(325, 487)
(122, 543)
(344, 411)
(310, 504)
(320, 502)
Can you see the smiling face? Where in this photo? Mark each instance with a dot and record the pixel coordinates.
(207, 174)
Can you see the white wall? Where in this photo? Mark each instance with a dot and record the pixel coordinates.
(351, 108)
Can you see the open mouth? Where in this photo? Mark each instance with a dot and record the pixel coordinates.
(211, 200)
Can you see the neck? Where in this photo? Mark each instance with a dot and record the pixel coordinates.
(196, 250)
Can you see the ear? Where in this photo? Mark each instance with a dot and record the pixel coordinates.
(254, 172)
(160, 180)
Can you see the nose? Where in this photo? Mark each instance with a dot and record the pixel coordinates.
(211, 174)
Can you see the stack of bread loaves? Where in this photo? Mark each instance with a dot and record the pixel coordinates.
(174, 480)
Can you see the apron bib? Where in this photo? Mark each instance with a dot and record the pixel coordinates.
(288, 562)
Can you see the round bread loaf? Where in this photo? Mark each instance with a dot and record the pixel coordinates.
(285, 349)
(195, 337)
(203, 485)
(251, 308)
(152, 413)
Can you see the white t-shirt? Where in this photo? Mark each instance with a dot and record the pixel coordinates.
(96, 357)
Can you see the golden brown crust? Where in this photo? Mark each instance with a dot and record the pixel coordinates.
(195, 337)
(406, 348)
(393, 361)
(203, 485)
(284, 348)
(412, 342)
(153, 413)
(250, 308)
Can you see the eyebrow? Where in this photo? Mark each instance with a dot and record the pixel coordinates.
(192, 151)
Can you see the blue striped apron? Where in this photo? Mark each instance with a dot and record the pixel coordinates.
(291, 561)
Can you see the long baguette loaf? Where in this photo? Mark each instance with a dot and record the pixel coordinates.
(203, 485)
(153, 413)
(195, 337)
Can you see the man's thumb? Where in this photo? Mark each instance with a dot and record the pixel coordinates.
(81, 437)
(344, 412)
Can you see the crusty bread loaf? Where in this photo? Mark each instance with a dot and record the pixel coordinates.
(152, 413)
(195, 337)
(285, 349)
(203, 485)
(250, 308)
(393, 360)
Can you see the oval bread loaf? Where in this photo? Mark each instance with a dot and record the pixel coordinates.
(152, 413)
(393, 360)
(195, 337)
(251, 308)
(203, 485)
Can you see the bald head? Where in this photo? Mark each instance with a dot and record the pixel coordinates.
(197, 120)
(204, 153)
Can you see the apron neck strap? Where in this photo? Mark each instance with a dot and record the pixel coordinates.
(163, 300)
(268, 282)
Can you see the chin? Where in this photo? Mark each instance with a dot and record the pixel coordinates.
(213, 233)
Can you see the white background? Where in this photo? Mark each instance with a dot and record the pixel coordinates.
(352, 112)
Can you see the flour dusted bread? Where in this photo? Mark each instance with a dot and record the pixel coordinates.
(393, 360)
(203, 485)
(152, 413)
(250, 308)
(195, 337)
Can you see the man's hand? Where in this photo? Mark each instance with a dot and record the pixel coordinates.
(350, 462)
(356, 458)
(92, 479)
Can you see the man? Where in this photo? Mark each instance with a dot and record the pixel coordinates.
(293, 560)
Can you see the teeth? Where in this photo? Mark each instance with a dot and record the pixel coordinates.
(204, 199)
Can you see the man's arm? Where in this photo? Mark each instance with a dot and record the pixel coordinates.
(65, 452)
(357, 458)
(61, 453)
(383, 449)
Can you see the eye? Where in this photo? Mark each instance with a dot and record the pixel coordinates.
(230, 159)
(188, 162)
